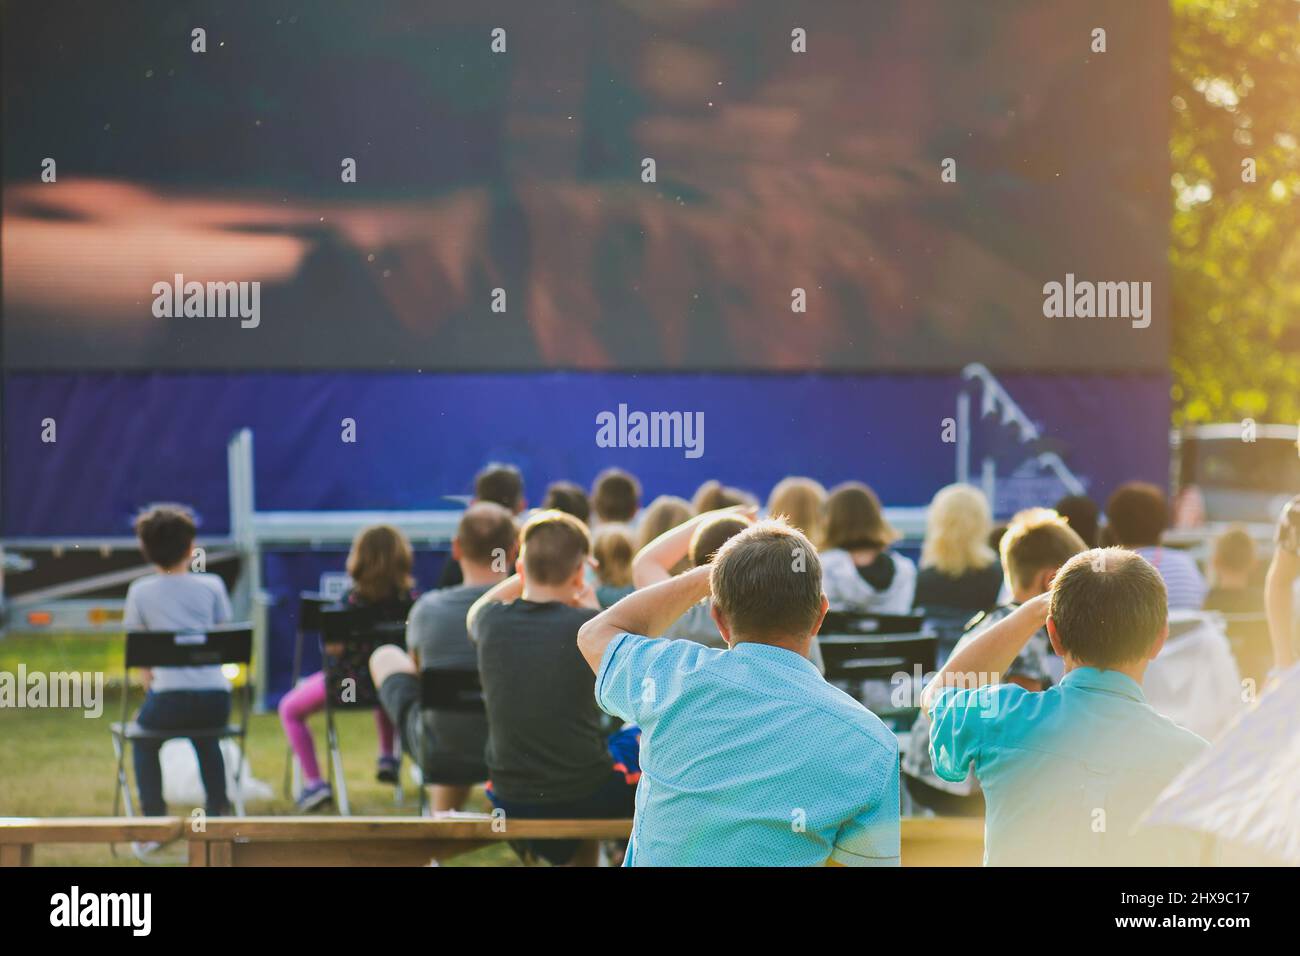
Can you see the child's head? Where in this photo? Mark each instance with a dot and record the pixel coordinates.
(503, 484)
(567, 497)
(166, 534)
(554, 549)
(616, 496)
(1234, 558)
(486, 533)
(712, 496)
(613, 549)
(1083, 515)
(712, 534)
(855, 520)
(1034, 547)
(800, 501)
(767, 586)
(1108, 609)
(1137, 515)
(380, 563)
(664, 513)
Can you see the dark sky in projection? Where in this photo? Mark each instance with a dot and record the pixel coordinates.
(521, 171)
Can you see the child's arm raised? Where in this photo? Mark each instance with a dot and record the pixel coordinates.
(655, 561)
(503, 592)
(648, 611)
(992, 651)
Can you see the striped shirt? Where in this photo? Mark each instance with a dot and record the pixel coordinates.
(1183, 580)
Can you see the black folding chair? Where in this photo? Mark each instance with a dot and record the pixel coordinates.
(852, 659)
(231, 644)
(348, 636)
(845, 622)
(310, 606)
(450, 691)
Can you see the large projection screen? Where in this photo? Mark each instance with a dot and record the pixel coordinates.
(500, 217)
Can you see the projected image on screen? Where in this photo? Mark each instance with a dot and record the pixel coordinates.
(621, 184)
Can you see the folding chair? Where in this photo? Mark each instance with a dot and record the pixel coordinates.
(448, 691)
(224, 645)
(845, 622)
(348, 636)
(853, 659)
(310, 605)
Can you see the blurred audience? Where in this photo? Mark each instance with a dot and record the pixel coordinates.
(615, 497)
(860, 572)
(1137, 515)
(801, 501)
(1083, 515)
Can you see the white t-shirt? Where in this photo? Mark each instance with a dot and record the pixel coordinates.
(179, 602)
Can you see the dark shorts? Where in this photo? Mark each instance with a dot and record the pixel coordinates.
(399, 695)
(615, 799)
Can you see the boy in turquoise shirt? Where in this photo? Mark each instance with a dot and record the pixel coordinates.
(1068, 772)
(748, 756)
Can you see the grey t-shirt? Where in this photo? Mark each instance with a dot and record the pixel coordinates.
(545, 743)
(190, 602)
(435, 632)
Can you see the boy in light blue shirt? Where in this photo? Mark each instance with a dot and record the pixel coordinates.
(1068, 772)
(748, 756)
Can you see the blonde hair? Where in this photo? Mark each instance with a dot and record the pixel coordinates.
(712, 496)
(380, 563)
(665, 513)
(957, 531)
(800, 501)
(1038, 539)
(613, 550)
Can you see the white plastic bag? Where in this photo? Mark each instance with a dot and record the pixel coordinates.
(182, 785)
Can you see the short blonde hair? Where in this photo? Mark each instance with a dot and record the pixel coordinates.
(801, 502)
(957, 530)
(1037, 539)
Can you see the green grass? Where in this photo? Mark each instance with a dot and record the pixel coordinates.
(58, 763)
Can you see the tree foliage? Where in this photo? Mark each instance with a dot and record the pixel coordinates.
(1234, 250)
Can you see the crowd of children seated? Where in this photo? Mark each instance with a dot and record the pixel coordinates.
(662, 663)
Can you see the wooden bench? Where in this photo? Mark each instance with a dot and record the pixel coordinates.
(20, 835)
(397, 841)
(373, 841)
(410, 841)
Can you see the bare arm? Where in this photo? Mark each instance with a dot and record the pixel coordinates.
(649, 611)
(1277, 599)
(654, 562)
(990, 652)
(502, 593)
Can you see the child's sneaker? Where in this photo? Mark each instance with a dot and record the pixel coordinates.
(386, 772)
(313, 797)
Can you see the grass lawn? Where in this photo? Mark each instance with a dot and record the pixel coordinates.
(57, 763)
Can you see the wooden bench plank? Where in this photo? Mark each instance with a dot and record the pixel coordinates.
(396, 841)
(29, 830)
(337, 829)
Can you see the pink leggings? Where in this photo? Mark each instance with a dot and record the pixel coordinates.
(303, 701)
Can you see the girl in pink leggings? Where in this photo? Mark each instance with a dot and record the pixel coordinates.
(380, 566)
